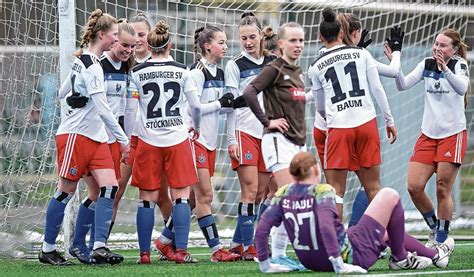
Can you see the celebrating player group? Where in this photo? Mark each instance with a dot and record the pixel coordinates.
(130, 110)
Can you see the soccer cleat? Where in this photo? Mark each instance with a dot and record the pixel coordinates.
(413, 261)
(53, 258)
(165, 249)
(288, 262)
(223, 255)
(432, 243)
(444, 250)
(144, 258)
(161, 257)
(183, 257)
(250, 253)
(239, 250)
(81, 254)
(103, 255)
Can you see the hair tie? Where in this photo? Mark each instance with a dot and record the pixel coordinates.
(157, 48)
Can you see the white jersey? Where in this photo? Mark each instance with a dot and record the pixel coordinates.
(443, 115)
(87, 78)
(161, 86)
(209, 81)
(239, 72)
(342, 73)
(116, 82)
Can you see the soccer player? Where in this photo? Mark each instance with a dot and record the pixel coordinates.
(142, 53)
(115, 64)
(245, 151)
(164, 144)
(210, 47)
(441, 145)
(281, 82)
(308, 211)
(352, 138)
(81, 141)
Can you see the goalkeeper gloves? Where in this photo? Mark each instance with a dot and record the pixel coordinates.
(396, 39)
(268, 267)
(76, 101)
(342, 268)
(239, 102)
(226, 100)
(364, 43)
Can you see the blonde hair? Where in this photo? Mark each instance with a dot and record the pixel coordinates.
(300, 166)
(159, 37)
(140, 17)
(269, 40)
(98, 21)
(124, 26)
(282, 30)
(349, 23)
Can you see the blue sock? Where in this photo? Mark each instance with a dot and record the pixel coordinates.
(208, 227)
(430, 219)
(181, 222)
(55, 215)
(263, 206)
(246, 220)
(85, 217)
(237, 237)
(167, 231)
(103, 213)
(91, 236)
(361, 202)
(443, 230)
(145, 223)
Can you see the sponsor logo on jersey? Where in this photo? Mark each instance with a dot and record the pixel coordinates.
(248, 156)
(201, 158)
(298, 94)
(118, 87)
(73, 171)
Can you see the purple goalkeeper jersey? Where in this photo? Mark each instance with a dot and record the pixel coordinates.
(311, 221)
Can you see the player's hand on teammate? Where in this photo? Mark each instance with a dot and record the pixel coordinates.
(392, 133)
(234, 151)
(194, 133)
(125, 149)
(364, 43)
(342, 268)
(268, 267)
(227, 100)
(76, 100)
(395, 41)
(239, 102)
(280, 124)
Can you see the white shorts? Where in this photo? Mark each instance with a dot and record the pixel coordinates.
(278, 151)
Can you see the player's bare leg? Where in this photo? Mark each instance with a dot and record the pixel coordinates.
(337, 179)
(445, 177)
(370, 178)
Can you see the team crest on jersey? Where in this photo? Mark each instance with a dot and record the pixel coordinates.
(118, 87)
(248, 156)
(201, 158)
(436, 85)
(297, 94)
(73, 171)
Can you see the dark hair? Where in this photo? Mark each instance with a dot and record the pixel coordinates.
(329, 27)
(140, 17)
(301, 164)
(98, 21)
(159, 37)
(203, 35)
(349, 24)
(249, 18)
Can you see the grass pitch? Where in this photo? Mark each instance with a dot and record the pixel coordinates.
(461, 264)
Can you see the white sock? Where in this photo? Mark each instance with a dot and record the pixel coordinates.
(279, 241)
(234, 244)
(98, 244)
(47, 247)
(165, 240)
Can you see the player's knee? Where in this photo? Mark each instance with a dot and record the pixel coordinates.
(389, 194)
(205, 199)
(415, 189)
(443, 190)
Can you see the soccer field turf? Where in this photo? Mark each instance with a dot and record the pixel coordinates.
(461, 264)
